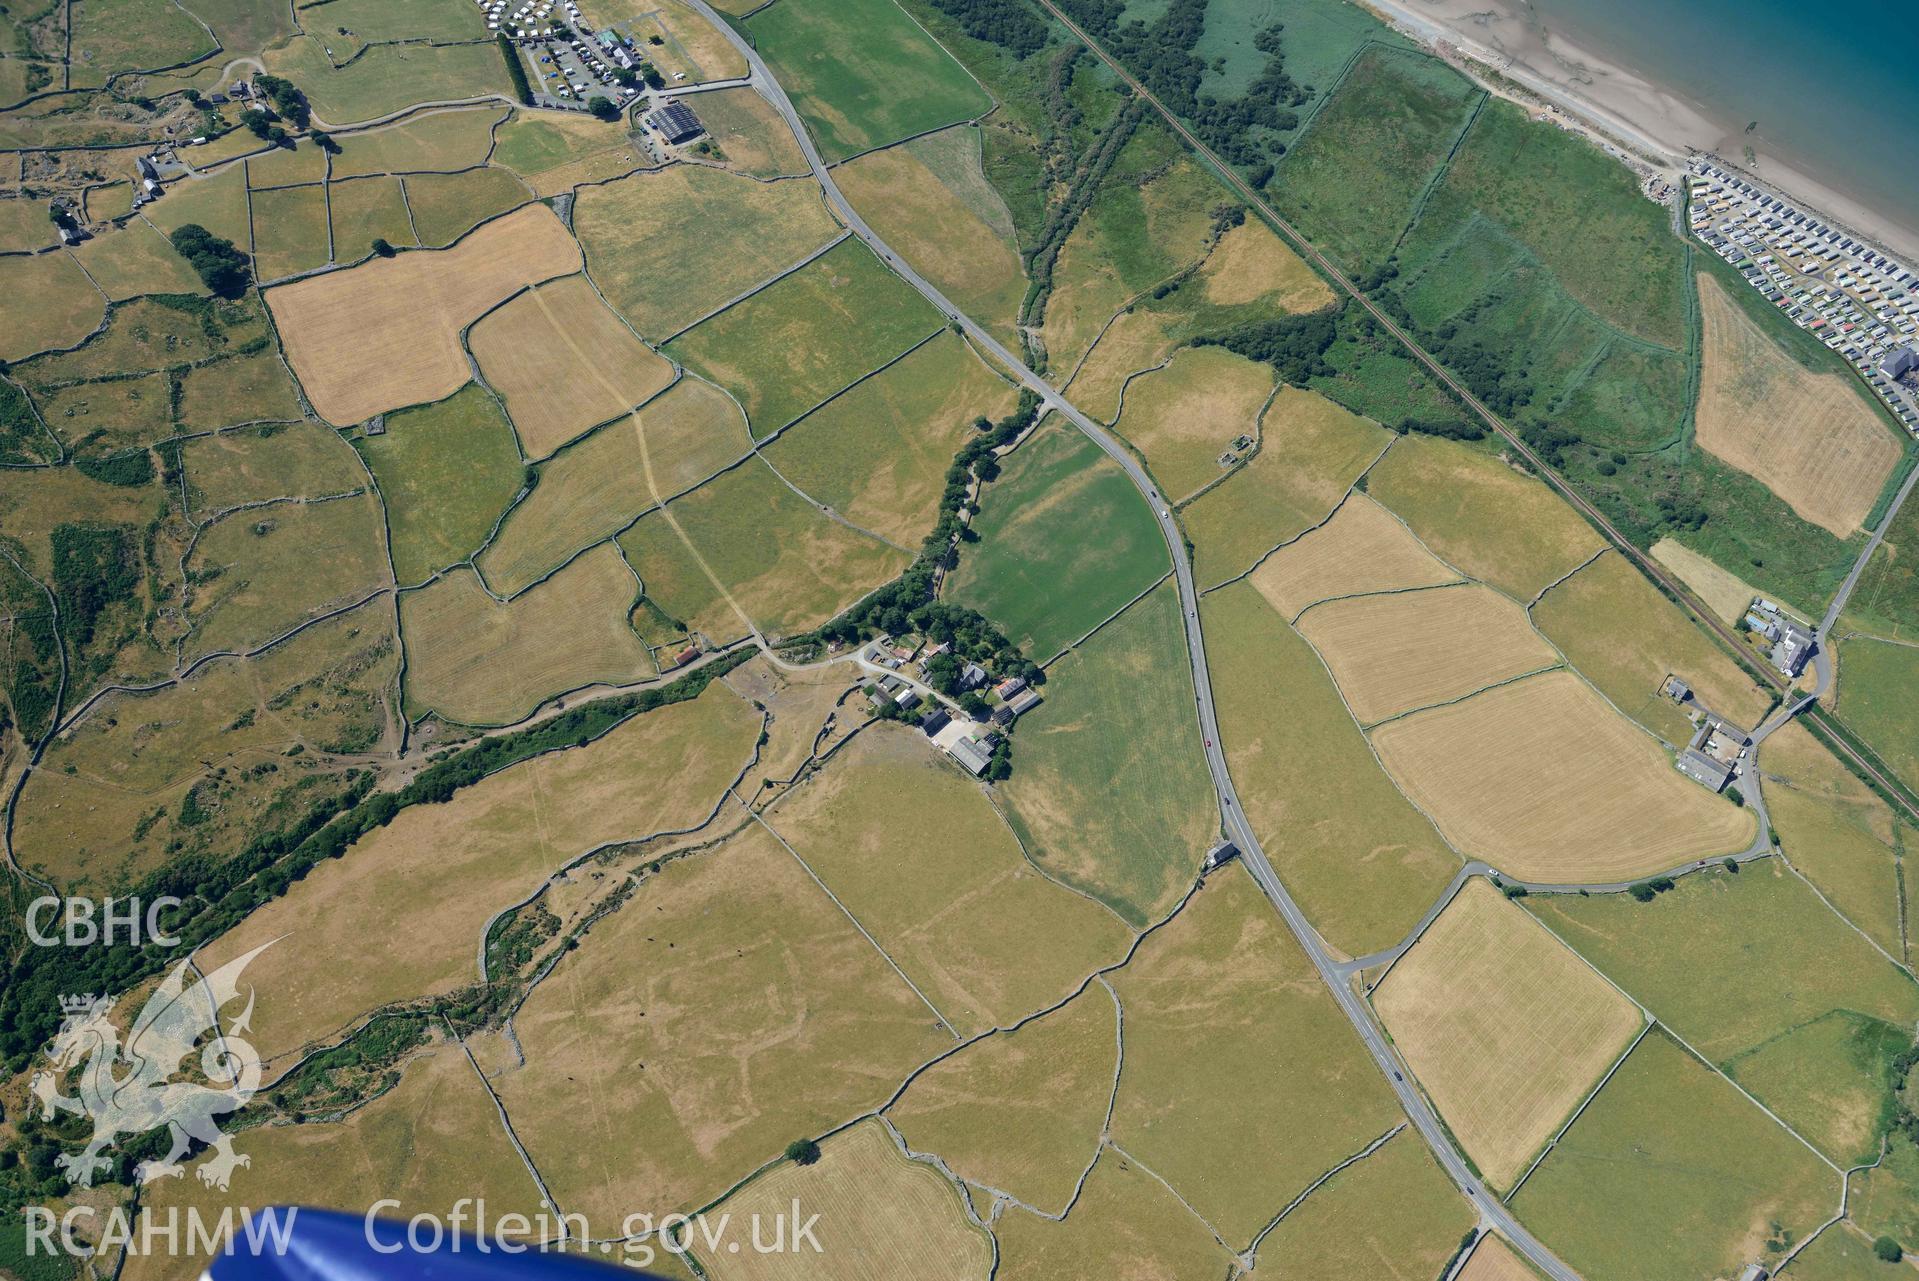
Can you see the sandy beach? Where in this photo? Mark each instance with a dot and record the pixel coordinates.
(1658, 122)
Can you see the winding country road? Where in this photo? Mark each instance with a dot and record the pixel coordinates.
(1491, 1212)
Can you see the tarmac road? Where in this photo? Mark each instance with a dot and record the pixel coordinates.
(1491, 1212)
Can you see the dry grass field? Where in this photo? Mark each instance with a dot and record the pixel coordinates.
(648, 239)
(1724, 593)
(564, 363)
(966, 930)
(1021, 1111)
(1183, 417)
(217, 202)
(1361, 549)
(1252, 264)
(478, 662)
(1497, 524)
(112, 414)
(878, 455)
(1125, 1225)
(1311, 451)
(691, 431)
(586, 494)
(243, 389)
(387, 333)
(432, 1139)
(1394, 653)
(555, 153)
(788, 566)
(725, 1010)
(1547, 783)
(1390, 1217)
(881, 1216)
(1363, 863)
(365, 210)
(751, 135)
(1136, 340)
(1625, 636)
(1493, 1260)
(70, 306)
(259, 573)
(1505, 1027)
(1223, 993)
(136, 259)
(294, 460)
(109, 801)
(425, 884)
(1813, 439)
(930, 200)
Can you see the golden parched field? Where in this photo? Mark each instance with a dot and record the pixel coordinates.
(1810, 438)
(479, 662)
(1393, 653)
(1723, 592)
(429, 1141)
(386, 334)
(1183, 417)
(1547, 783)
(1021, 1111)
(1505, 1027)
(726, 1009)
(564, 363)
(1125, 1225)
(1361, 549)
(882, 1216)
(1493, 1260)
(425, 885)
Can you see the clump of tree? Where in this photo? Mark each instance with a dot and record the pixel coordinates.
(802, 1151)
(515, 71)
(651, 75)
(1295, 346)
(286, 99)
(1888, 1250)
(261, 125)
(129, 469)
(603, 108)
(1644, 891)
(221, 266)
(94, 567)
(383, 247)
(324, 141)
(1007, 23)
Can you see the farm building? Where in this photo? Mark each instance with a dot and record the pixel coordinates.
(1024, 702)
(974, 753)
(1224, 852)
(1792, 641)
(675, 122)
(1009, 687)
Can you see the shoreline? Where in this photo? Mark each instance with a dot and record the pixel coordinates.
(1498, 41)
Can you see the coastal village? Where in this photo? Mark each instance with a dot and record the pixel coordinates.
(1858, 301)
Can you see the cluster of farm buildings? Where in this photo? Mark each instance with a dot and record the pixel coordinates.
(968, 741)
(1855, 299)
(1713, 756)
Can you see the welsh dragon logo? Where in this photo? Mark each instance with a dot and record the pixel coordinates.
(130, 1090)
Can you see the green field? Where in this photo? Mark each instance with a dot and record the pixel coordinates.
(1033, 571)
(807, 336)
(387, 77)
(1843, 1253)
(1671, 1173)
(1363, 863)
(1111, 793)
(862, 73)
(237, 390)
(1886, 600)
(1742, 966)
(297, 460)
(366, 210)
(258, 574)
(112, 36)
(289, 230)
(446, 471)
(1403, 111)
(1879, 700)
(447, 206)
(429, 142)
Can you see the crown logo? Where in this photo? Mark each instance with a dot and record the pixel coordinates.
(72, 1005)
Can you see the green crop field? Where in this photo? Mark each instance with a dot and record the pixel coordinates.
(862, 73)
(1124, 812)
(1879, 700)
(1032, 571)
(1363, 863)
(807, 336)
(446, 471)
(1670, 1173)
(1353, 180)
(1740, 965)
